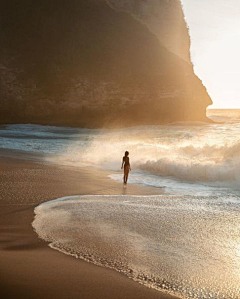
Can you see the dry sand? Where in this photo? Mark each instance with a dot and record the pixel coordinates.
(28, 267)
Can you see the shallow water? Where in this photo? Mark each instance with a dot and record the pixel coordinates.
(182, 158)
(188, 246)
(186, 242)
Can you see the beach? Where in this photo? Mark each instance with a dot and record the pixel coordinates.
(69, 227)
(29, 268)
(119, 149)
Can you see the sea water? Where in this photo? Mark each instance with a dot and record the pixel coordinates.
(186, 242)
(188, 246)
(183, 158)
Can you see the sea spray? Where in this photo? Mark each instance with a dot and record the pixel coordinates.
(190, 156)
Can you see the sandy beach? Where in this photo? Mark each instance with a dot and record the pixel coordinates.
(29, 268)
(119, 149)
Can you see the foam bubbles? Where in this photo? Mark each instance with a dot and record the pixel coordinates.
(185, 153)
(188, 246)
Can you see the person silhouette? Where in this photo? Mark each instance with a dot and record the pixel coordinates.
(126, 166)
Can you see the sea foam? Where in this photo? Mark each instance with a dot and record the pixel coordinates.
(188, 246)
(185, 155)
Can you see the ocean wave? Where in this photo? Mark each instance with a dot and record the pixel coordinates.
(222, 172)
(216, 152)
(209, 163)
(208, 153)
(186, 246)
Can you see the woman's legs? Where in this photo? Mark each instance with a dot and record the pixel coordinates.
(126, 172)
(127, 176)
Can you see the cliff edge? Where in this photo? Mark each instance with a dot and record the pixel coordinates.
(94, 63)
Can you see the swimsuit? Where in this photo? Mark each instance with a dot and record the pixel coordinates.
(126, 162)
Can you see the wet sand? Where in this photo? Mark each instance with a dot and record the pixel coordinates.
(29, 268)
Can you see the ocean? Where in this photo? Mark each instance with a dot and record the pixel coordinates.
(185, 242)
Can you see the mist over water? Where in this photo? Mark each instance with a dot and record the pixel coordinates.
(185, 242)
(179, 157)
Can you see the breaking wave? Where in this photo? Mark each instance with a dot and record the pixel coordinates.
(206, 164)
(184, 153)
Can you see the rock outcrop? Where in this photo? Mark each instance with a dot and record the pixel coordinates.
(94, 63)
(164, 18)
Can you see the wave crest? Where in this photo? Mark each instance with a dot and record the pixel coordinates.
(207, 163)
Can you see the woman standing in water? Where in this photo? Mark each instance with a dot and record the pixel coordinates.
(126, 165)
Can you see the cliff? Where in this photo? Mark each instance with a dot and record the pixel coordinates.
(94, 63)
(164, 18)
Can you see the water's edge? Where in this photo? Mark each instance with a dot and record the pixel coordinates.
(185, 246)
(161, 286)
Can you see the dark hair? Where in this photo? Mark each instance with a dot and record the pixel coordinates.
(126, 153)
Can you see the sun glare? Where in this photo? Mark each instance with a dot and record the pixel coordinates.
(215, 48)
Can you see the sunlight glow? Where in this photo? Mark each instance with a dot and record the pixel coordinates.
(215, 47)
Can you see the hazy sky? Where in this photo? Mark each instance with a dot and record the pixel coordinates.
(215, 33)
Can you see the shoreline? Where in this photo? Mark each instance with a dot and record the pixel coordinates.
(29, 267)
(111, 125)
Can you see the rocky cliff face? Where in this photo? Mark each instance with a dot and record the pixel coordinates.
(164, 18)
(96, 62)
